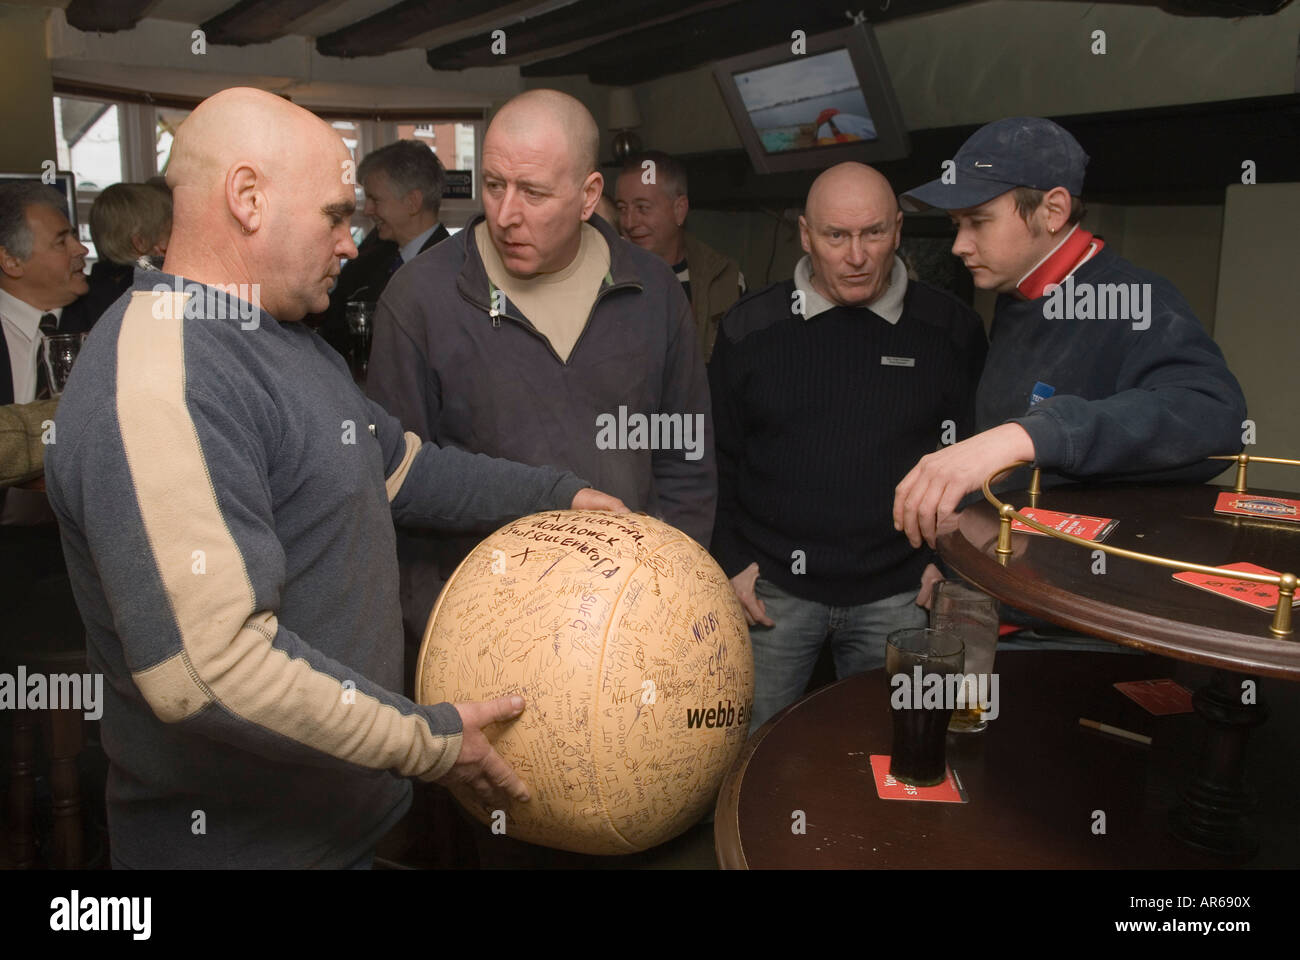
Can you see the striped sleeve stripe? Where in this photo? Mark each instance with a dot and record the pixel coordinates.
(398, 476)
(226, 653)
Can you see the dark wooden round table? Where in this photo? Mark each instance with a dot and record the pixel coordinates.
(1034, 779)
(1134, 603)
(1142, 606)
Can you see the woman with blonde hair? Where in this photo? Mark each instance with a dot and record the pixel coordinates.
(129, 225)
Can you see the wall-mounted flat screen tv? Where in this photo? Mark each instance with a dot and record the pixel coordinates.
(796, 111)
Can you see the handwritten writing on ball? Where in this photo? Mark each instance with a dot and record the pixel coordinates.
(591, 612)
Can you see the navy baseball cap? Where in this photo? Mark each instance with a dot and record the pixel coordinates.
(1003, 155)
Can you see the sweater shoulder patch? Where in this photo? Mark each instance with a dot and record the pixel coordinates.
(939, 307)
(758, 310)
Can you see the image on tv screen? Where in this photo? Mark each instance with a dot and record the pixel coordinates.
(812, 101)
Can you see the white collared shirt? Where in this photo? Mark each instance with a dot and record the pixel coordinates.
(410, 250)
(22, 326)
(889, 305)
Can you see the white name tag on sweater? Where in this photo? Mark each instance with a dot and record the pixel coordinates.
(898, 361)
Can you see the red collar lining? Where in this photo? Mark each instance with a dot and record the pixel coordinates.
(1075, 250)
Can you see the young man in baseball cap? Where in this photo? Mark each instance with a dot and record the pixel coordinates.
(1096, 368)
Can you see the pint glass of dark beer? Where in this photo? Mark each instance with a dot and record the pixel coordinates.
(924, 669)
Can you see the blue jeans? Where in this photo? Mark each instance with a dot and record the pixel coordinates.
(785, 654)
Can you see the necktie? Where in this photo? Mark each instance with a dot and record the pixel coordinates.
(49, 327)
(397, 262)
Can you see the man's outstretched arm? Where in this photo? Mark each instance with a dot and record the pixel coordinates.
(450, 489)
(933, 488)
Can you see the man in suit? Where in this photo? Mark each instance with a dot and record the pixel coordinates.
(41, 272)
(403, 183)
(41, 266)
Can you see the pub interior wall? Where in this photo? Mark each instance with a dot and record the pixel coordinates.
(963, 65)
(1259, 288)
(25, 91)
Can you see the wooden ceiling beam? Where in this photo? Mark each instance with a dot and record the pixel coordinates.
(714, 35)
(392, 29)
(256, 21)
(563, 31)
(106, 16)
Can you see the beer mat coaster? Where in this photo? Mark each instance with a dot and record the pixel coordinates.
(887, 788)
(1252, 505)
(1095, 529)
(1159, 697)
(1261, 595)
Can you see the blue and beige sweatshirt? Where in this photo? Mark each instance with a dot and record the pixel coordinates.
(227, 498)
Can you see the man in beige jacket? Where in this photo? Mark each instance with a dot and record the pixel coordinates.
(652, 207)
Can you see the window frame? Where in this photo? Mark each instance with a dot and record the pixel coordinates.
(452, 213)
(137, 139)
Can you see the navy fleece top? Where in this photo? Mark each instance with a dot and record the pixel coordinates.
(1127, 403)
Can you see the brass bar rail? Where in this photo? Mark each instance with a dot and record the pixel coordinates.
(1285, 582)
(1242, 459)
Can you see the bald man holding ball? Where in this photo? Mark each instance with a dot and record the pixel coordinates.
(227, 497)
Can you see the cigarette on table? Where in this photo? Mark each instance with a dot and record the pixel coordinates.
(1116, 731)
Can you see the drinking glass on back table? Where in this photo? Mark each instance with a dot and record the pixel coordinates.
(973, 615)
(361, 318)
(61, 351)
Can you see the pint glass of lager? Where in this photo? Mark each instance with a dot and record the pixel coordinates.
(973, 616)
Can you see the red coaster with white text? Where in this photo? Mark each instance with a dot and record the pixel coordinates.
(1095, 529)
(887, 788)
(1253, 505)
(1261, 595)
(1159, 697)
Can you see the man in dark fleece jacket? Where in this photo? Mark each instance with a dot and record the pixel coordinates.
(226, 499)
(1096, 369)
(538, 335)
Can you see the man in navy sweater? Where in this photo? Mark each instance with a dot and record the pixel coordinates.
(1097, 369)
(826, 389)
